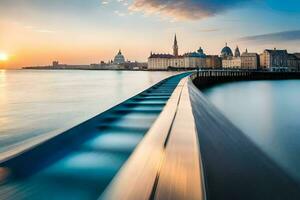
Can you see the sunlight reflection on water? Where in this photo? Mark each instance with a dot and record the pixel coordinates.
(36, 102)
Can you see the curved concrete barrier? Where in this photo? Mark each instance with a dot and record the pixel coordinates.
(167, 163)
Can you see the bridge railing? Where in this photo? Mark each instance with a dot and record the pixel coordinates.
(204, 78)
(221, 73)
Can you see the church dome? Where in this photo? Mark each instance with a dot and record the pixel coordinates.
(226, 52)
(119, 58)
(198, 54)
(201, 53)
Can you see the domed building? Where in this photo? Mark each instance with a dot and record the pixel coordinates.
(201, 53)
(226, 52)
(195, 59)
(189, 60)
(230, 61)
(119, 58)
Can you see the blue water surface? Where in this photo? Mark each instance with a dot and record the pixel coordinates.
(36, 104)
(268, 112)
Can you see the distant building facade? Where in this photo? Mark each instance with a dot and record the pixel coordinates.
(135, 65)
(232, 63)
(298, 57)
(274, 60)
(195, 59)
(55, 63)
(213, 61)
(119, 58)
(229, 60)
(186, 61)
(249, 60)
(294, 62)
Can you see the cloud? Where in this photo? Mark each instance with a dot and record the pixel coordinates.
(185, 9)
(274, 37)
(104, 2)
(119, 13)
(209, 30)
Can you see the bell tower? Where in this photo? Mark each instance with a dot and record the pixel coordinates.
(237, 52)
(175, 47)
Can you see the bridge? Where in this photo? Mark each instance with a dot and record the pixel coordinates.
(168, 142)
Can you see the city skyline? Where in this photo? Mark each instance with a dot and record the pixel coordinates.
(36, 32)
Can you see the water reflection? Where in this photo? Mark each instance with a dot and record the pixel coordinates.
(115, 142)
(36, 104)
(268, 112)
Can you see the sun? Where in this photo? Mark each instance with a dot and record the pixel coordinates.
(4, 56)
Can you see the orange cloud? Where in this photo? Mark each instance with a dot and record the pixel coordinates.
(185, 10)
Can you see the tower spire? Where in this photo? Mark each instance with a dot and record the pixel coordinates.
(175, 47)
(237, 52)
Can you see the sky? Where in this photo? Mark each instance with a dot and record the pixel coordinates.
(36, 32)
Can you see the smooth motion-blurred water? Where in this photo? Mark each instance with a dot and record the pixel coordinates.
(35, 104)
(268, 112)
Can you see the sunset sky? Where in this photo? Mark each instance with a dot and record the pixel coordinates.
(35, 32)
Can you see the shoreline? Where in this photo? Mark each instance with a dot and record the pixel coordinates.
(158, 70)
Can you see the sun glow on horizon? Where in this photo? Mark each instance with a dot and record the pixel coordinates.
(3, 56)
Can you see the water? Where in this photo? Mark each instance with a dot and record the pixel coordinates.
(36, 104)
(80, 163)
(268, 113)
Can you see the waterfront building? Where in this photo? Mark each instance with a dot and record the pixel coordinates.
(263, 60)
(298, 58)
(195, 59)
(237, 52)
(119, 58)
(186, 61)
(274, 60)
(226, 52)
(55, 63)
(213, 61)
(230, 61)
(128, 65)
(293, 62)
(249, 60)
(134, 65)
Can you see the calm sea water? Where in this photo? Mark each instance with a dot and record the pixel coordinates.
(268, 112)
(36, 104)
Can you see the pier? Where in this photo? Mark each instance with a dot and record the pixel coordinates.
(205, 78)
(168, 142)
